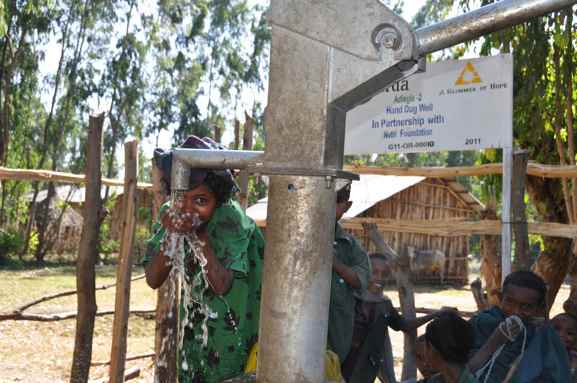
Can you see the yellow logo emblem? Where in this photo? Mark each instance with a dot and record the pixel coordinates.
(469, 75)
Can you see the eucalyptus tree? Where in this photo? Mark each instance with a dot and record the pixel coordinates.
(23, 26)
(124, 84)
(206, 53)
(73, 21)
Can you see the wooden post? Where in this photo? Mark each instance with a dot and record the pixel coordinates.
(407, 301)
(165, 341)
(490, 258)
(523, 259)
(402, 275)
(243, 176)
(477, 290)
(87, 254)
(123, 272)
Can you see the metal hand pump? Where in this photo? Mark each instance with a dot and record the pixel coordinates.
(327, 57)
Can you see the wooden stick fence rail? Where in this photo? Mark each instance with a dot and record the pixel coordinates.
(452, 228)
(533, 169)
(48, 175)
(18, 316)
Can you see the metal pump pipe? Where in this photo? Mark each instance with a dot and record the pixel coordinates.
(216, 159)
(184, 159)
(487, 19)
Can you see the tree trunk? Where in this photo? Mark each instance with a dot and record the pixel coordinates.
(236, 143)
(114, 122)
(217, 132)
(4, 129)
(87, 254)
(43, 220)
(569, 68)
(553, 264)
(3, 202)
(45, 139)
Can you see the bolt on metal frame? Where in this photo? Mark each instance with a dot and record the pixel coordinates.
(327, 56)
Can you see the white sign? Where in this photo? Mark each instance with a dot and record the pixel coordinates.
(454, 105)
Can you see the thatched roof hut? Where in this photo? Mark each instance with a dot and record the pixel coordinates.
(378, 198)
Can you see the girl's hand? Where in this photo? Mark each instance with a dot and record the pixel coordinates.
(180, 222)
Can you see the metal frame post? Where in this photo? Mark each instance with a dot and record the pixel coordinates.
(506, 213)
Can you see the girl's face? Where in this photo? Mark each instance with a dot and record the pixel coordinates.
(200, 200)
(566, 327)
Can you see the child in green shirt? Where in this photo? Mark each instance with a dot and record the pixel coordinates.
(223, 249)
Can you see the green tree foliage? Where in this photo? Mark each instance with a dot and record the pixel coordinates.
(204, 55)
(172, 65)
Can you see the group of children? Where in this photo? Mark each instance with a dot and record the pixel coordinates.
(219, 312)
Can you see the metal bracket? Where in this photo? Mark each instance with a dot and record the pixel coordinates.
(287, 170)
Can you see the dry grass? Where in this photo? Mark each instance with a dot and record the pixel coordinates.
(42, 351)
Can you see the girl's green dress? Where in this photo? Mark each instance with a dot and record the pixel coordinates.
(230, 320)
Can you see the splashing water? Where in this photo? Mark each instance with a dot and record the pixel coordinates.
(175, 248)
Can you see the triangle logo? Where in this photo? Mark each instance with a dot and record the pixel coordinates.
(469, 75)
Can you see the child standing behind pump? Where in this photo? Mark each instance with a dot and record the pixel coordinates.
(220, 318)
(371, 352)
(351, 271)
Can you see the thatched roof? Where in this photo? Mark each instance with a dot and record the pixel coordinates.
(72, 218)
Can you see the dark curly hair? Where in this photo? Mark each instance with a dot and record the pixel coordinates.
(223, 186)
(344, 194)
(451, 336)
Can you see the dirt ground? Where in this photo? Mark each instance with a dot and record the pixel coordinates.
(42, 351)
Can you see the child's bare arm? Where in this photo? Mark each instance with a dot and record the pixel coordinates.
(347, 273)
(413, 324)
(160, 265)
(157, 270)
(219, 277)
